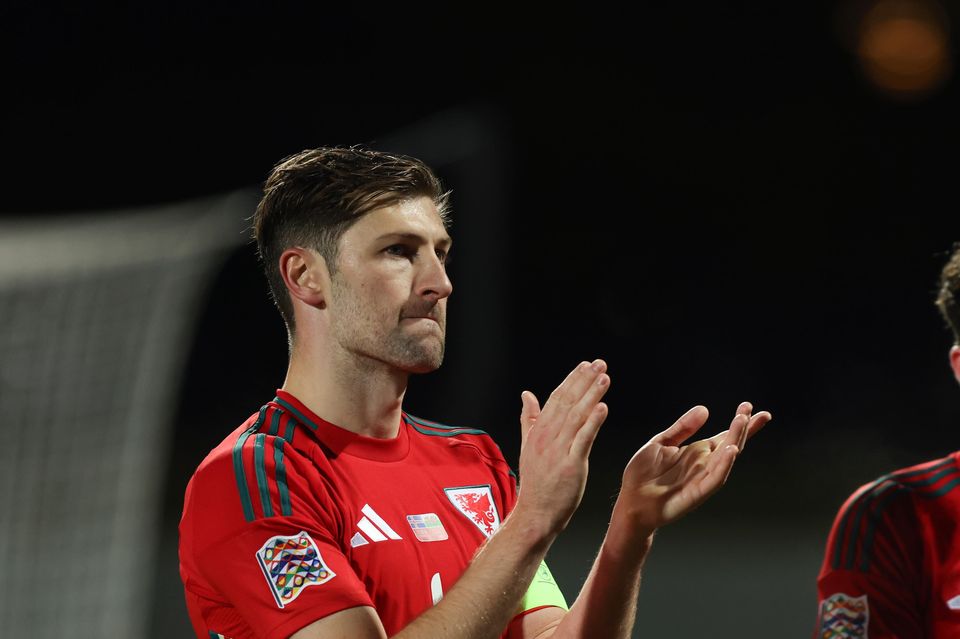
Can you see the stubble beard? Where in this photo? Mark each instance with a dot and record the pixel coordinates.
(360, 333)
(416, 354)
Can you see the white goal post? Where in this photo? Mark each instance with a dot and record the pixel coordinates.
(97, 312)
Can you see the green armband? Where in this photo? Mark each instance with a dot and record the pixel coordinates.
(543, 591)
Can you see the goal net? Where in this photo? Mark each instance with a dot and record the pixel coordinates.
(96, 316)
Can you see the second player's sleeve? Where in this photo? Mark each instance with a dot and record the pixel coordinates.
(869, 581)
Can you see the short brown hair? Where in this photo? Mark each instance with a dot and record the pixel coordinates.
(311, 198)
(948, 299)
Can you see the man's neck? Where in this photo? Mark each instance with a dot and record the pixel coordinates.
(363, 397)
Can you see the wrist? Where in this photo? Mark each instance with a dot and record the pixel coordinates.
(534, 529)
(628, 536)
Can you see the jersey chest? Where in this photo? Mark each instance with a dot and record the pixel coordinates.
(410, 530)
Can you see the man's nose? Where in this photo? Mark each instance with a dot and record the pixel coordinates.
(433, 280)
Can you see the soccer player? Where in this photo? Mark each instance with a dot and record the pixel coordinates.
(332, 512)
(891, 563)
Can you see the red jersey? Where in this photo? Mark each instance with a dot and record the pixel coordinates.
(892, 563)
(292, 518)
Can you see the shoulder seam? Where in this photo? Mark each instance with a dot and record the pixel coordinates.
(258, 433)
(865, 511)
(239, 472)
(422, 426)
(290, 408)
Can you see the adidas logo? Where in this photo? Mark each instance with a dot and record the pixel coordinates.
(372, 528)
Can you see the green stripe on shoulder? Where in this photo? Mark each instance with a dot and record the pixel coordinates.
(852, 513)
(861, 518)
(943, 490)
(275, 422)
(238, 470)
(858, 509)
(931, 480)
(881, 498)
(434, 429)
(259, 465)
(287, 406)
(285, 508)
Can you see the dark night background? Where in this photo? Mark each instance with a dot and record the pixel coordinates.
(718, 200)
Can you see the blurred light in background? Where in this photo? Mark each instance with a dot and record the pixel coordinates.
(904, 47)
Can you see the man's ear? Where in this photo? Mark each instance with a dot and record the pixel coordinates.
(955, 361)
(305, 273)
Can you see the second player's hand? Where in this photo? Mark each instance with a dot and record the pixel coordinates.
(555, 445)
(666, 479)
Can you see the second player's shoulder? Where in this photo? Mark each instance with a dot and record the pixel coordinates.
(929, 472)
(927, 479)
(876, 565)
(891, 506)
(923, 483)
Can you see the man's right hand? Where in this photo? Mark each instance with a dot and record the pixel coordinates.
(555, 446)
(667, 478)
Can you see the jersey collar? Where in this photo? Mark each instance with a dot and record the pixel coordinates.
(343, 441)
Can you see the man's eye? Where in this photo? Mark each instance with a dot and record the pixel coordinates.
(400, 250)
(443, 256)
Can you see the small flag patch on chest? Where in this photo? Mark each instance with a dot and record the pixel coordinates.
(291, 564)
(427, 527)
(844, 616)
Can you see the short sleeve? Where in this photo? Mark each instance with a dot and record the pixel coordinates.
(281, 576)
(869, 581)
(270, 574)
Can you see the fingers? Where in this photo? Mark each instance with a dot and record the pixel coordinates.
(583, 440)
(720, 465)
(576, 382)
(585, 408)
(757, 422)
(529, 413)
(574, 400)
(746, 409)
(681, 430)
(579, 385)
(753, 425)
(736, 435)
(723, 451)
(730, 443)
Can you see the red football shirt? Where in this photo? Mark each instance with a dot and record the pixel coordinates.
(892, 563)
(292, 518)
